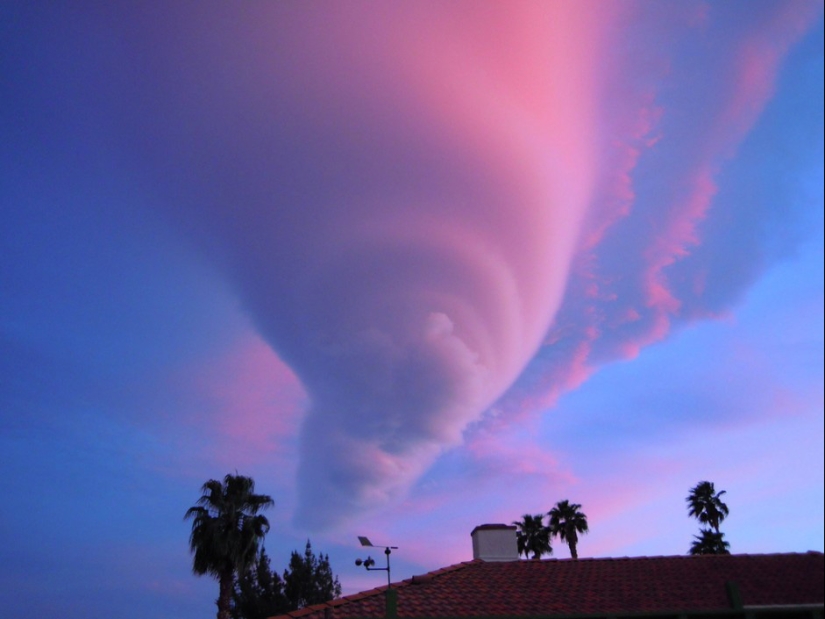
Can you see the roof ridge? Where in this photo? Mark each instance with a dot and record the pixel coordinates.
(680, 556)
(427, 576)
(308, 610)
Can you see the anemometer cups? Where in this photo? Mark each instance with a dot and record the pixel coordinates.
(367, 563)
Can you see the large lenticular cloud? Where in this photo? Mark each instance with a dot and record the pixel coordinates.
(396, 194)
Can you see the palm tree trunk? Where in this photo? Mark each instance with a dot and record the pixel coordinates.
(572, 540)
(226, 582)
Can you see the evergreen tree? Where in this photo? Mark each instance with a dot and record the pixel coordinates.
(309, 579)
(259, 592)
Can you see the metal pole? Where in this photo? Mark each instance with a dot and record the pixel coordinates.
(387, 552)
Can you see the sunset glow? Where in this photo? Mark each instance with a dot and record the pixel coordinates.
(414, 267)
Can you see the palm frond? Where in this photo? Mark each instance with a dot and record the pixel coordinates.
(226, 526)
(709, 542)
(706, 505)
(532, 536)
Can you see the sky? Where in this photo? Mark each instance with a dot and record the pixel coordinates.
(414, 267)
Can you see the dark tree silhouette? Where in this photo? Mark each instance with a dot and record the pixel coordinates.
(309, 579)
(567, 521)
(705, 504)
(259, 592)
(709, 543)
(226, 531)
(533, 536)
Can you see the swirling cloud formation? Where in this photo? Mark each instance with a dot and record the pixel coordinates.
(401, 195)
(395, 193)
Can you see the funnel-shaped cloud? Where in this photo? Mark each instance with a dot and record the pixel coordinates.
(324, 243)
(400, 194)
(396, 194)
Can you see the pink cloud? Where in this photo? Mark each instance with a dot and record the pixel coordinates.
(624, 292)
(752, 77)
(492, 264)
(411, 202)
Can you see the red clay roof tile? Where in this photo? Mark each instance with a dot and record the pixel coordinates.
(594, 586)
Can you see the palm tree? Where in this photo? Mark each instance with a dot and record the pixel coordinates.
(567, 521)
(532, 536)
(709, 543)
(226, 531)
(705, 504)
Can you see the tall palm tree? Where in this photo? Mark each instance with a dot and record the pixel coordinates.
(226, 531)
(567, 521)
(709, 543)
(532, 536)
(705, 504)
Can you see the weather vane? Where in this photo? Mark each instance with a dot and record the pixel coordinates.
(369, 562)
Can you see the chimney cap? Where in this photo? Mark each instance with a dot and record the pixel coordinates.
(489, 527)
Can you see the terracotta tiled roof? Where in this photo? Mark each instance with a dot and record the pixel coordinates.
(593, 586)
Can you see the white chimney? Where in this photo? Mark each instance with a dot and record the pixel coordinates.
(495, 542)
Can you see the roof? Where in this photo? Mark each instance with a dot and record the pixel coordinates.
(593, 586)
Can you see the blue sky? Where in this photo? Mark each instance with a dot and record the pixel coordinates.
(414, 269)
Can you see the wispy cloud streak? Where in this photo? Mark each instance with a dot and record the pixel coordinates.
(642, 266)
